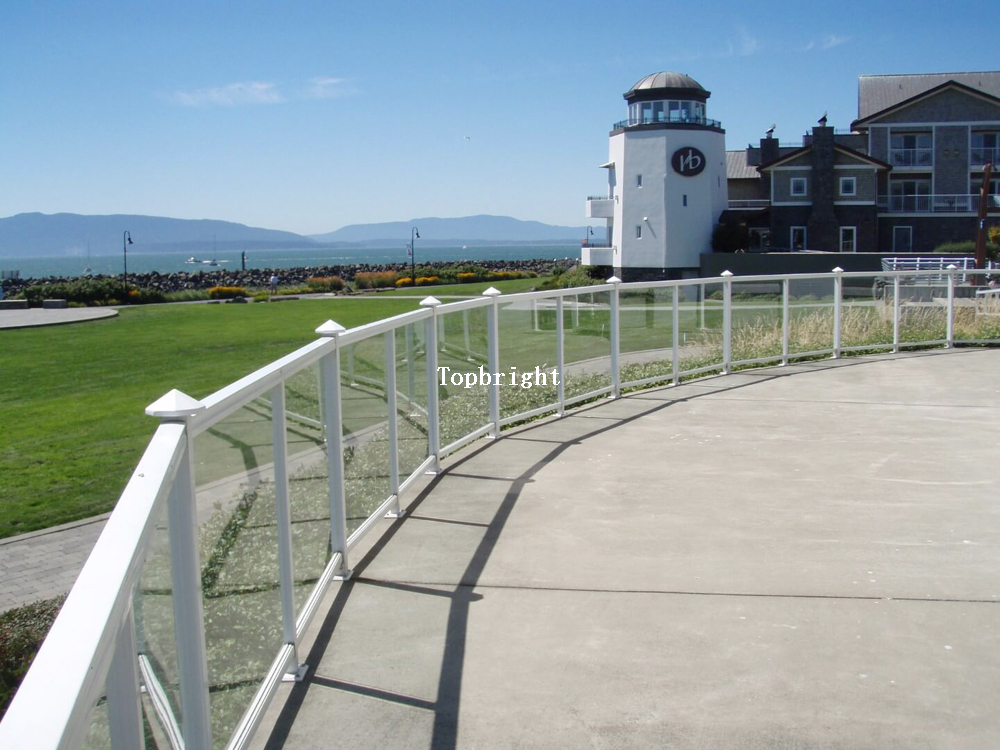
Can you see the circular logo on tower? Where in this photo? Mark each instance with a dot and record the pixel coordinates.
(688, 161)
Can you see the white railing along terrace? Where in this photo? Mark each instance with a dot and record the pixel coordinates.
(247, 504)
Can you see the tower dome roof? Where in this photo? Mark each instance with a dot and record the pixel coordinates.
(676, 83)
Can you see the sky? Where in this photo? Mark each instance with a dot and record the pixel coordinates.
(308, 117)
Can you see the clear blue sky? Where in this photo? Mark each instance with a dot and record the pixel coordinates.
(311, 116)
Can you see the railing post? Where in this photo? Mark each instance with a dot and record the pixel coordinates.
(283, 521)
(333, 421)
(560, 357)
(895, 314)
(185, 576)
(675, 325)
(433, 416)
(785, 284)
(124, 703)
(950, 333)
(616, 379)
(727, 322)
(838, 296)
(465, 333)
(493, 357)
(391, 407)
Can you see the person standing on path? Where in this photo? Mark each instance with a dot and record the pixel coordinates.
(274, 283)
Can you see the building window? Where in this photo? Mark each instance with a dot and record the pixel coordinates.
(848, 186)
(910, 196)
(985, 149)
(638, 231)
(638, 180)
(685, 200)
(902, 239)
(798, 240)
(848, 236)
(798, 186)
(911, 150)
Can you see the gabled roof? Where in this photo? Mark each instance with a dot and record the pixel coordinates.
(836, 147)
(737, 167)
(878, 94)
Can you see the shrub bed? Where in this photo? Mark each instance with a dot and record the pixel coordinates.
(226, 292)
(22, 631)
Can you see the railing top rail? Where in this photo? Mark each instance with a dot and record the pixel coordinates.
(54, 713)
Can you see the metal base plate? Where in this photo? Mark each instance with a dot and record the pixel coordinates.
(297, 676)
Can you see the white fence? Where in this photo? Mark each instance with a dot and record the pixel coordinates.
(246, 505)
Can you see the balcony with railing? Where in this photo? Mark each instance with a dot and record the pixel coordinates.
(979, 157)
(692, 120)
(331, 509)
(753, 204)
(911, 158)
(935, 204)
(600, 207)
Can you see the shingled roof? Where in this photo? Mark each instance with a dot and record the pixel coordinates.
(877, 93)
(737, 167)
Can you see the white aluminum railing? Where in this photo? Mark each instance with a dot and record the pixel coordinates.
(120, 666)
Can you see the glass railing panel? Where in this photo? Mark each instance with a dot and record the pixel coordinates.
(810, 315)
(235, 505)
(463, 396)
(699, 325)
(99, 731)
(155, 635)
(411, 397)
(756, 320)
(866, 312)
(977, 316)
(923, 308)
(366, 431)
(587, 341)
(646, 333)
(527, 340)
(308, 480)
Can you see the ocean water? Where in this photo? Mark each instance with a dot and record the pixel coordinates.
(139, 262)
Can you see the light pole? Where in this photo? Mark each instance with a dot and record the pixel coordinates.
(414, 235)
(126, 241)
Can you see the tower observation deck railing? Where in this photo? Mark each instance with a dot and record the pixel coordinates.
(246, 505)
(673, 121)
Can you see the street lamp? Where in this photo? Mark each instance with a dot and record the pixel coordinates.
(126, 241)
(414, 235)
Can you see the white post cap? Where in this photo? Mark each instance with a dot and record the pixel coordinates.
(492, 292)
(430, 302)
(330, 328)
(614, 280)
(952, 267)
(173, 405)
(838, 269)
(727, 274)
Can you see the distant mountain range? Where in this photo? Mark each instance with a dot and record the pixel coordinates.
(466, 228)
(37, 235)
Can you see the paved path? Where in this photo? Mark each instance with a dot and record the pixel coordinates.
(44, 564)
(37, 317)
(789, 557)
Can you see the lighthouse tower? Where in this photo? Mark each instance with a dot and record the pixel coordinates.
(666, 182)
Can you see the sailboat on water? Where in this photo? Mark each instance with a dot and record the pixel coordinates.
(88, 270)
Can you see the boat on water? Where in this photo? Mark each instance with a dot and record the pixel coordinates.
(193, 259)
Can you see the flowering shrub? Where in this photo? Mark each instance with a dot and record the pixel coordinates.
(427, 280)
(405, 281)
(375, 279)
(325, 284)
(226, 292)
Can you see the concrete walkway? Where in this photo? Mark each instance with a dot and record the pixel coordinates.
(44, 564)
(36, 317)
(784, 558)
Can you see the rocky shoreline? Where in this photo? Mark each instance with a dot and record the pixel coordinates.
(258, 278)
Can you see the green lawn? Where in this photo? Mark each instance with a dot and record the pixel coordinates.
(72, 398)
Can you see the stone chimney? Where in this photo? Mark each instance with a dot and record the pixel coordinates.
(769, 151)
(822, 227)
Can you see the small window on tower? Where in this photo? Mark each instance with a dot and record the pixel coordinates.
(685, 200)
(638, 180)
(638, 231)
